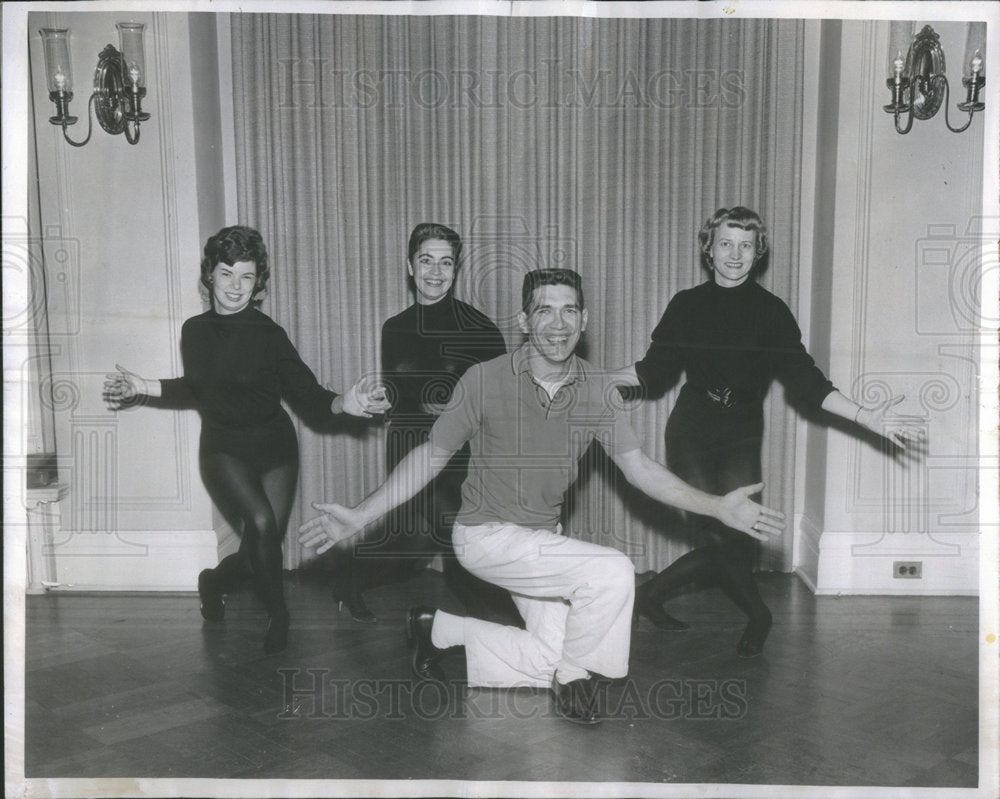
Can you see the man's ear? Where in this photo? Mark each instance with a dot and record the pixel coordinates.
(583, 320)
(522, 321)
(409, 269)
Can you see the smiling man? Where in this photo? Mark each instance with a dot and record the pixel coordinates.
(529, 417)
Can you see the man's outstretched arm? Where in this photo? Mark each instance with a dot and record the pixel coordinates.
(339, 523)
(734, 509)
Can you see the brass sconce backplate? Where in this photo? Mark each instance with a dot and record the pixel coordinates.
(108, 83)
(925, 66)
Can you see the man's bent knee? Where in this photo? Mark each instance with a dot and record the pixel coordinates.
(614, 572)
(620, 572)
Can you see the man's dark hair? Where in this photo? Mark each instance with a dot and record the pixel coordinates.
(549, 277)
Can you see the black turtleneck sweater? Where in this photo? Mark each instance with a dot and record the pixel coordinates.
(237, 369)
(736, 338)
(425, 350)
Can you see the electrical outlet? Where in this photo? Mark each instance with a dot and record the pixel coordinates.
(907, 569)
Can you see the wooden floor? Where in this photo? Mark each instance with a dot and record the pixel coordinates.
(876, 691)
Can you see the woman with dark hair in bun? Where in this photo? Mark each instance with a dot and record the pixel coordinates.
(731, 338)
(238, 366)
(425, 349)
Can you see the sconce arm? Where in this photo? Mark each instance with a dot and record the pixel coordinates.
(911, 92)
(128, 137)
(90, 125)
(947, 121)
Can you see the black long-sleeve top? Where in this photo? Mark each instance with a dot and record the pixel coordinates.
(425, 350)
(737, 338)
(237, 369)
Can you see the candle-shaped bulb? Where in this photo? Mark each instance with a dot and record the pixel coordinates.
(897, 62)
(133, 74)
(59, 79)
(976, 63)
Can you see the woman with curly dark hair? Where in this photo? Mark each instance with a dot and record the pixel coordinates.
(731, 337)
(238, 365)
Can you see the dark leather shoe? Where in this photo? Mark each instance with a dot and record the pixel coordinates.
(576, 701)
(419, 620)
(646, 606)
(213, 606)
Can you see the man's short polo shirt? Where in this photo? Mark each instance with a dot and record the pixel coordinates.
(525, 447)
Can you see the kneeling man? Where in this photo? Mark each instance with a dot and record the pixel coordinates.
(529, 417)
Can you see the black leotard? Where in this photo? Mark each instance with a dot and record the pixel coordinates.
(736, 338)
(425, 350)
(237, 368)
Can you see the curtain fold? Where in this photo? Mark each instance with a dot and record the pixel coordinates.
(601, 145)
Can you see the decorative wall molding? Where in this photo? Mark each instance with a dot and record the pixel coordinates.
(174, 263)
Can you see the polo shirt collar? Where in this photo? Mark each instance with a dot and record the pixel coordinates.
(519, 364)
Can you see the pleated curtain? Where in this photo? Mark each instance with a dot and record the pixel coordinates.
(601, 145)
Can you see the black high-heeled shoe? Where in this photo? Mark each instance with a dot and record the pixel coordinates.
(646, 605)
(213, 605)
(276, 635)
(356, 606)
(751, 643)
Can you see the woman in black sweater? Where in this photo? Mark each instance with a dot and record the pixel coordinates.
(732, 337)
(238, 365)
(425, 350)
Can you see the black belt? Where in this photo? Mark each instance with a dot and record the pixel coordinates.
(726, 396)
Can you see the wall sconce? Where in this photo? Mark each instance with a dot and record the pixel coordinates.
(119, 82)
(919, 86)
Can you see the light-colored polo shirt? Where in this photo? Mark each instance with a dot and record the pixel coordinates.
(525, 446)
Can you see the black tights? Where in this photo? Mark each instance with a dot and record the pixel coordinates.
(709, 566)
(716, 457)
(257, 502)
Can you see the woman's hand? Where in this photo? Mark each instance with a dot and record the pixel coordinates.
(742, 513)
(366, 399)
(337, 524)
(906, 432)
(123, 388)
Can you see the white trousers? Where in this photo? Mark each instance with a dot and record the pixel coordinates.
(575, 598)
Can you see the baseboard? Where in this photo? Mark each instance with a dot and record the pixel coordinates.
(806, 550)
(866, 564)
(132, 560)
